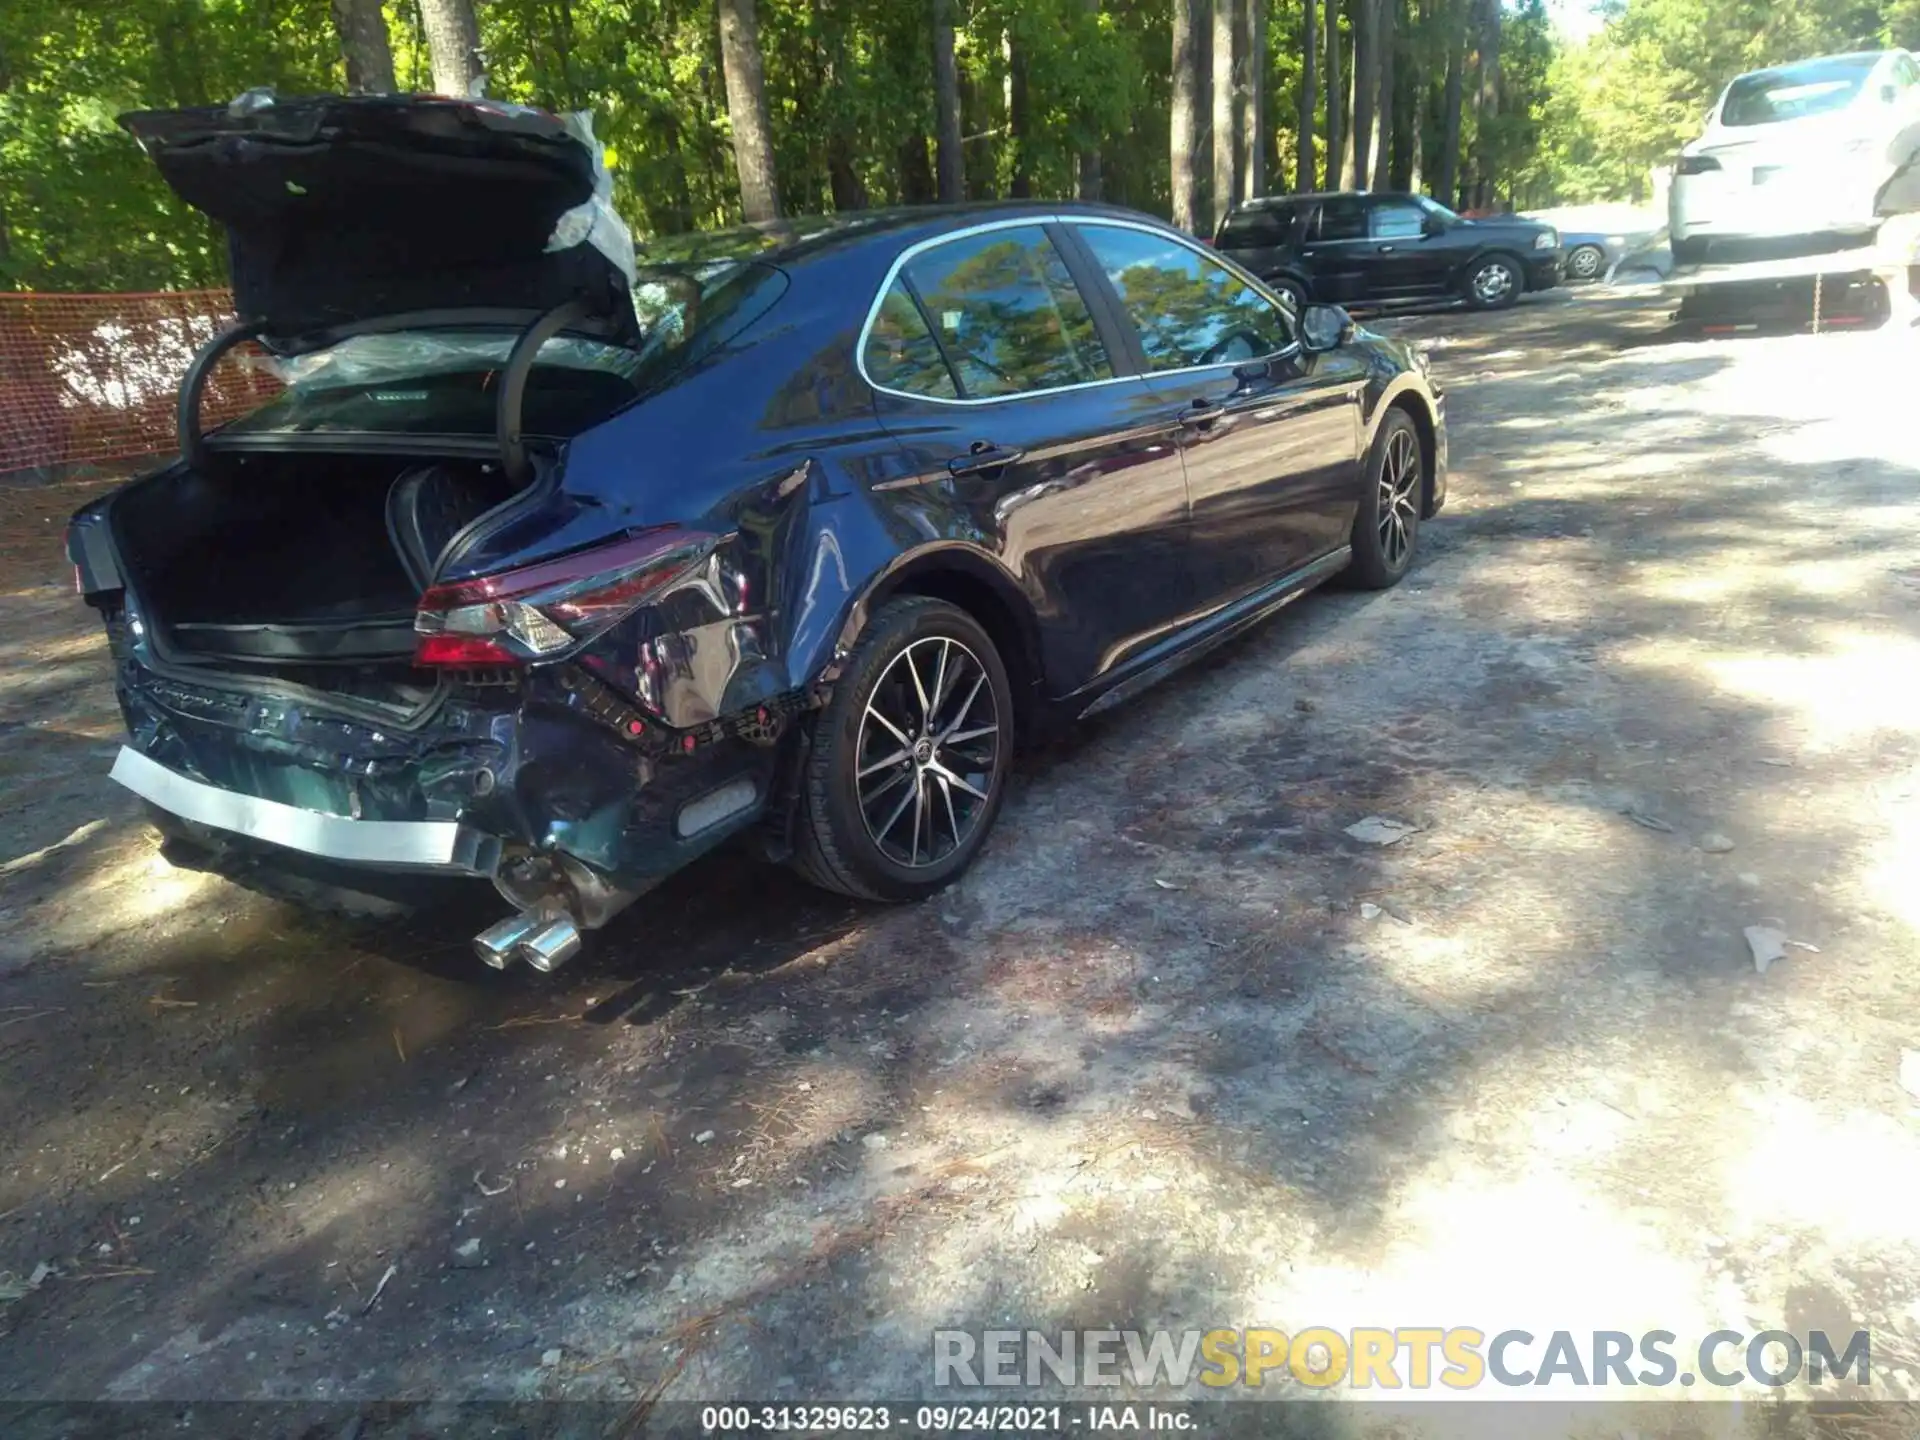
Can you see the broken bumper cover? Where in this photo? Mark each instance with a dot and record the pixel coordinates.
(442, 846)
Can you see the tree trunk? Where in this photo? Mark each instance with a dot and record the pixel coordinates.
(747, 111)
(948, 165)
(1366, 88)
(1253, 98)
(1226, 146)
(1089, 184)
(1019, 119)
(1336, 95)
(1454, 23)
(1186, 107)
(1407, 172)
(849, 190)
(1489, 104)
(678, 206)
(916, 175)
(364, 45)
(844, 180)
(1304, 168)
(453, 42)
(1386, 45)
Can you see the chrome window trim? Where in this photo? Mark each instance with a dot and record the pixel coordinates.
(1040, 222)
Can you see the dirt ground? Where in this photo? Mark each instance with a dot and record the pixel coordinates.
(1178, 1052)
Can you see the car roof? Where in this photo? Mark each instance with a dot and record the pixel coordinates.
(1274, 202)
(1865, 59)
(789, 240)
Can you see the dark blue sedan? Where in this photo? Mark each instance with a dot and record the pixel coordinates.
(555, 566)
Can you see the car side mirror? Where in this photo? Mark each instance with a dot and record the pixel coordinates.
(1889, 95)
(1324, 328)
(1433, 225)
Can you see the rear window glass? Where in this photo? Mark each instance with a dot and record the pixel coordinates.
(443, 381)
(1246, 229)
(1816, 88)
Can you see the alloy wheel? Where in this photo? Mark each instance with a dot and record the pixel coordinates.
(1399, 497)
(1492, 282)
(1584, 263)
(927, 752)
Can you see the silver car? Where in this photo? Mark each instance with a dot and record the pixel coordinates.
(1799, 151)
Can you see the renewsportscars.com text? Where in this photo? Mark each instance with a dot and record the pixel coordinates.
(1413, 1358)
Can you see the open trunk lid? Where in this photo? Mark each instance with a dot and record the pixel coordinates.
(342, 212)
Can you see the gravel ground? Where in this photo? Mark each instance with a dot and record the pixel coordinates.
(1178, 1052)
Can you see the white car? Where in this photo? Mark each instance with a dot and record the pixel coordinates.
(1798, 151)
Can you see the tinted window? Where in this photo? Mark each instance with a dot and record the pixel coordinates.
(1007, 313)
(1344, 218)
(1258, 228)
(1794, 91)
(1189, 308)
(1906, 74)
(901, 353)
(1396, 220)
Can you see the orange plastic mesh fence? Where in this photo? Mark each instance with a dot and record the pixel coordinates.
(96, 377)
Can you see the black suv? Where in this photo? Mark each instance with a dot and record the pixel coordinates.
(1353, 246)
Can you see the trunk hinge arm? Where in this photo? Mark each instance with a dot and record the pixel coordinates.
(192, 446)
(513, 384)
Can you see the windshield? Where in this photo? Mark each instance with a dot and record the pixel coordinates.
(443, 381)
(1793, 92)
(1435, 208)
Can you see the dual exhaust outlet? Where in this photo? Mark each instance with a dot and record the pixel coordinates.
(544, 940)
(558, 899)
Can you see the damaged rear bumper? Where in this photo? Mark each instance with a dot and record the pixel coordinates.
(553, 789)
(443, 846)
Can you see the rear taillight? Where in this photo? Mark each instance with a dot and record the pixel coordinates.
(540, 612)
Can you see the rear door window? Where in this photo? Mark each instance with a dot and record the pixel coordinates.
(1189, 309)
(1260, 228)
(1001, 308)
(1343, 217)
(901, 352)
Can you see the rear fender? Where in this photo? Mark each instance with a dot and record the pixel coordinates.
(969, 576)
(715, 643)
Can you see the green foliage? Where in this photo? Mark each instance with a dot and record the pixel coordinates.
(850, 92)
(80, 207)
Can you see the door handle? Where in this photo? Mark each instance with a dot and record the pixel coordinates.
(1201, 414)
(983, 458)
(1386, 249)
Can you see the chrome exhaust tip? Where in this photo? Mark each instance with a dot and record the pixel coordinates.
(552, 945)
(499, 944)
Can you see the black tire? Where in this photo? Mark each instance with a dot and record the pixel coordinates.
(1586, 262)
(1487, 290)
(1382, 551)
(1291, 290)
(837, 846)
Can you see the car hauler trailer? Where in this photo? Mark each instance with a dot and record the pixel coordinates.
(1833, 289)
